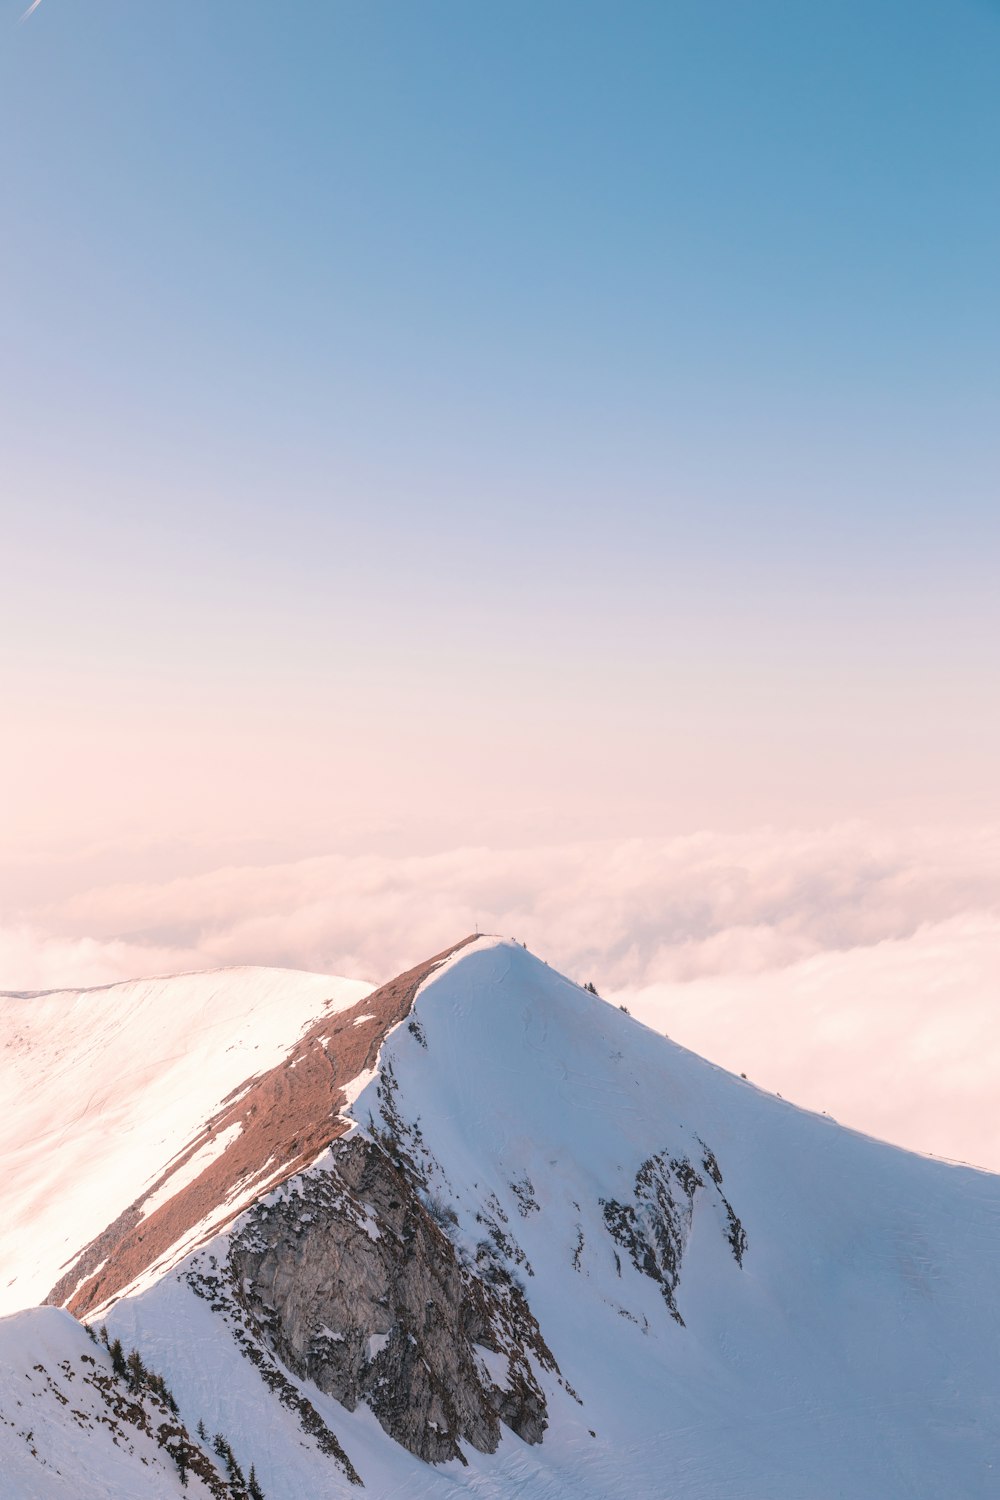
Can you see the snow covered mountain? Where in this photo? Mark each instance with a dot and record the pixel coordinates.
(110, 1088)
(480, 1233)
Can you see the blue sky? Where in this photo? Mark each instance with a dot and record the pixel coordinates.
(636, 361)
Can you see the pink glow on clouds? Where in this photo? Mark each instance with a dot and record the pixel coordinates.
(851, 971)
(900, 1038)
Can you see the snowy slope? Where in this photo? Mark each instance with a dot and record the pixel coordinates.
(110, 1084)
(742, 1301)
(853, 1353)
(70, 1430)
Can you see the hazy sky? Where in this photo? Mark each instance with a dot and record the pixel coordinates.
(572, 411)
(447, 426)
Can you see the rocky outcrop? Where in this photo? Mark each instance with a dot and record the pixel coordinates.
(279, 1121)
(350, 1268)
(653, 1228)
(354, 1284)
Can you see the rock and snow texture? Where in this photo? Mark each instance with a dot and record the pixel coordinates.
(354, 1283)
(270, 1126)
(70, 1428)
(109, 1088)
(587, 1263)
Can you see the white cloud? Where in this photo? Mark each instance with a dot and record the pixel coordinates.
(850, 970)
(634, 911)
(900, 1038)
(34, 960)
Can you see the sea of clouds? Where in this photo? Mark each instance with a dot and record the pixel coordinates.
(851, 970)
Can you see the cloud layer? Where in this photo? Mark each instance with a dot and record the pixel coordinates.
(849, 970)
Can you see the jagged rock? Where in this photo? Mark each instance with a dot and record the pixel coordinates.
(355, 1285)
(654, 1227)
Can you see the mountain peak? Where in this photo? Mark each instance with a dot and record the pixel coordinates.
(480, 1215)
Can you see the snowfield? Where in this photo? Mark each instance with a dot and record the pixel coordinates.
(831, 1332)
(110, 1084)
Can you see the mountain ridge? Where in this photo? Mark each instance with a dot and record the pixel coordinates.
(553, 1254)
(109, 1085)
(280, 1120)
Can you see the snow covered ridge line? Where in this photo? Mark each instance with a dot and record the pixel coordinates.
(274, 1125)
(108, 1091)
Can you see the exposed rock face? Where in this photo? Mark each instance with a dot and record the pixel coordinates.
(354, 1284)
(282, 1120)
(350, 1269)
(654, 1227)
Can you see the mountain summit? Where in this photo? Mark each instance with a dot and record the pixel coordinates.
(479, 1232)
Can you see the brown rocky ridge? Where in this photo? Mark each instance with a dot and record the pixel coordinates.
(285, 1119)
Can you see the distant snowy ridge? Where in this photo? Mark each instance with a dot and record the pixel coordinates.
(109, 1088)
